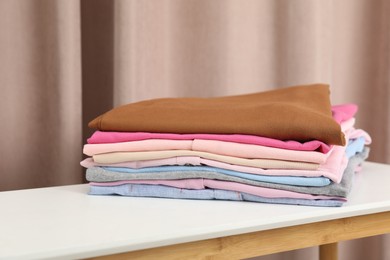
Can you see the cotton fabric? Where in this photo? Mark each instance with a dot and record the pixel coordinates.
(306, 108)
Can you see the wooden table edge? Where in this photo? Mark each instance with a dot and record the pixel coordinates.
(326, 233)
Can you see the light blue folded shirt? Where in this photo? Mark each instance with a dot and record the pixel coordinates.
(157, 191)
(355, 146)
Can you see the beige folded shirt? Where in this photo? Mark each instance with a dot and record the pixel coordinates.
(119, 157)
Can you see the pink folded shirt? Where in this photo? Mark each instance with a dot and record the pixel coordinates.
(340, 113)
(199, 184)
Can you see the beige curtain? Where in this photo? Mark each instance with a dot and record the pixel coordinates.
(62, 62)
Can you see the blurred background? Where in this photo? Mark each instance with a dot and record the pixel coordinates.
(63, 62)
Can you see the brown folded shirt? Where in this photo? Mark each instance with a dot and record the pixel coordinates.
(299, 113)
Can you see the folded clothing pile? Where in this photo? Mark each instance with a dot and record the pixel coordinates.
(287, 146)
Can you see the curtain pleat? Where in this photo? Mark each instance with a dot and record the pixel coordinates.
(40, 79)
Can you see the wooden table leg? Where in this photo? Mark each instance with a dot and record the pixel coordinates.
(329, 251)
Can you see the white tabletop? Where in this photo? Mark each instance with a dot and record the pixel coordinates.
(65, 222)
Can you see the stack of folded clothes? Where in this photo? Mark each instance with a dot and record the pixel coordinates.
(287, 146)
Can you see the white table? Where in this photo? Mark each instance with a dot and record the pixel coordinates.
(64, 222)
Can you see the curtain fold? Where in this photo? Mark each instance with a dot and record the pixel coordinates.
(40, 79)
(63, 62)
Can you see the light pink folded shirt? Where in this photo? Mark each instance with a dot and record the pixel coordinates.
(347, 125)
(340, 113)
(249, 151)
(198, 184)
(356, 133)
